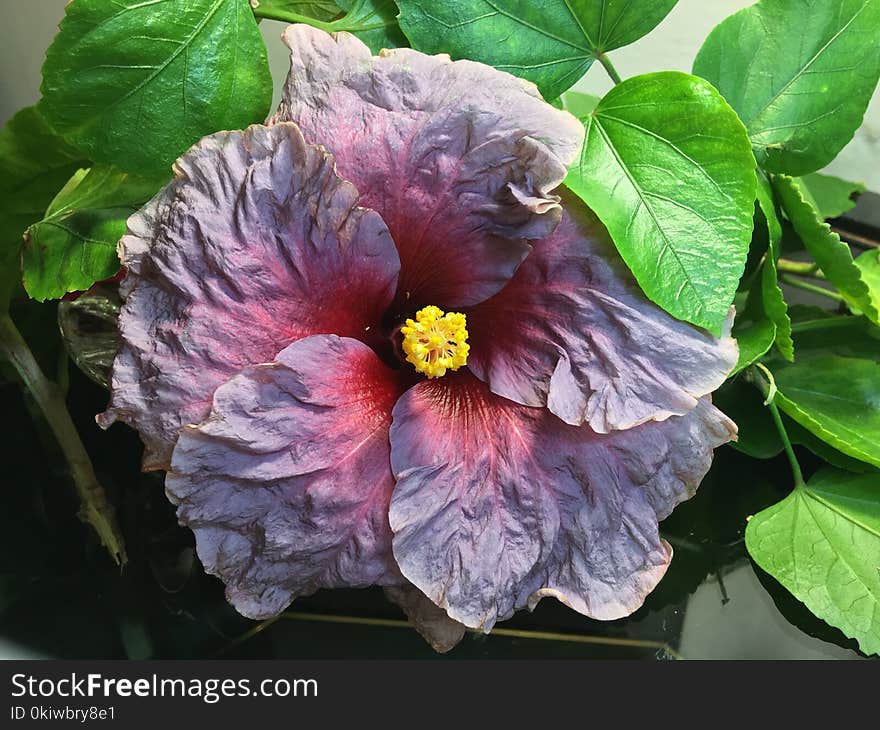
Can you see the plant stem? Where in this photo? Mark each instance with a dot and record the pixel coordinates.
(789, 451)
(288, 16)
(95, 509)
(609, 67)
(806, 286)
(822, 324)
(855, 239)
(800, 268)
(768, 390)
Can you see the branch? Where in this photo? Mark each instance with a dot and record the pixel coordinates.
(95, 509)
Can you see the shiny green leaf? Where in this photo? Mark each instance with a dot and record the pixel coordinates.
(869, 265)
(832, 196)
(135, 84)
(822, 542)
(832, 254)
(819, 331)
(772, 296)
(578, 103)
(754, 340)
(34, 165)
(552, 43)
(74, 245)
(835, 398)
(321, 10)
(668, 168)
(799, 435)
(373, 21)
(799, 74)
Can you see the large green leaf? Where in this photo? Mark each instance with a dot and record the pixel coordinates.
(869, 266)
(799, 435)
(136, 83)
(74, 245)
(799, 74)
(668, 168)
(772, 296)
(373, 21)
(758, 436)
(34, 165)
(822, 542)
(832, 196)
(577, 103)
(320, 10)
(754, 340)
(552, 43)
(835, 398)
(832, 254)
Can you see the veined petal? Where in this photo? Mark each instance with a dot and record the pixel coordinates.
(255, 244)
(287, 483)
(573, 331)
(498, 504)
(459, 158)
(431, 621)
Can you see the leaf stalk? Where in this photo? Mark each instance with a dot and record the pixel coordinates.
(609, 67)
(767, 386)
(812, 288)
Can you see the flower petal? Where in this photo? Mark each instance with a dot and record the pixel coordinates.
(286, 485)
(498, 504)
(458, 157)
(255, 244)
(435, 627)
(572, 330)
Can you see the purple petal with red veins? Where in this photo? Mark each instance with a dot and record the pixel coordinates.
(459, 158)
(498, 504)
(287, 483)
(573, 331)
(255, 244)
(431, 621)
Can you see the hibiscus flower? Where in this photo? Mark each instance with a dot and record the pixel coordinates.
(400, 358)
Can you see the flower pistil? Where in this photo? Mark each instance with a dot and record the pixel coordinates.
(435, 342)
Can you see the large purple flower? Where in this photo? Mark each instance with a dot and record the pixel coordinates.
(289, 358)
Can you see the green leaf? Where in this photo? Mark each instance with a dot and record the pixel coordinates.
(819, 331)
(771, 293)
(577, 103)
(799, 435)
(835, 398)
(822, 542)
(869, 266)
(758, 436)
(832, 196)
(668, 168)
(136, 83)
(373, 21)
(34, 165)
(799, 74)
(74, 245)
(832, 255)
(321, 10)
(552, 43)
(754, 340)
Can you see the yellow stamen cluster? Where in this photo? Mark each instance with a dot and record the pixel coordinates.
(435, 342)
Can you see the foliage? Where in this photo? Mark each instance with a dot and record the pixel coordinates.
(705, 182)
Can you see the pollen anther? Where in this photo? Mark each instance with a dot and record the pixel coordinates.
(435, 342)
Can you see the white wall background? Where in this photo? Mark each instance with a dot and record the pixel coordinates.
(27, 27)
